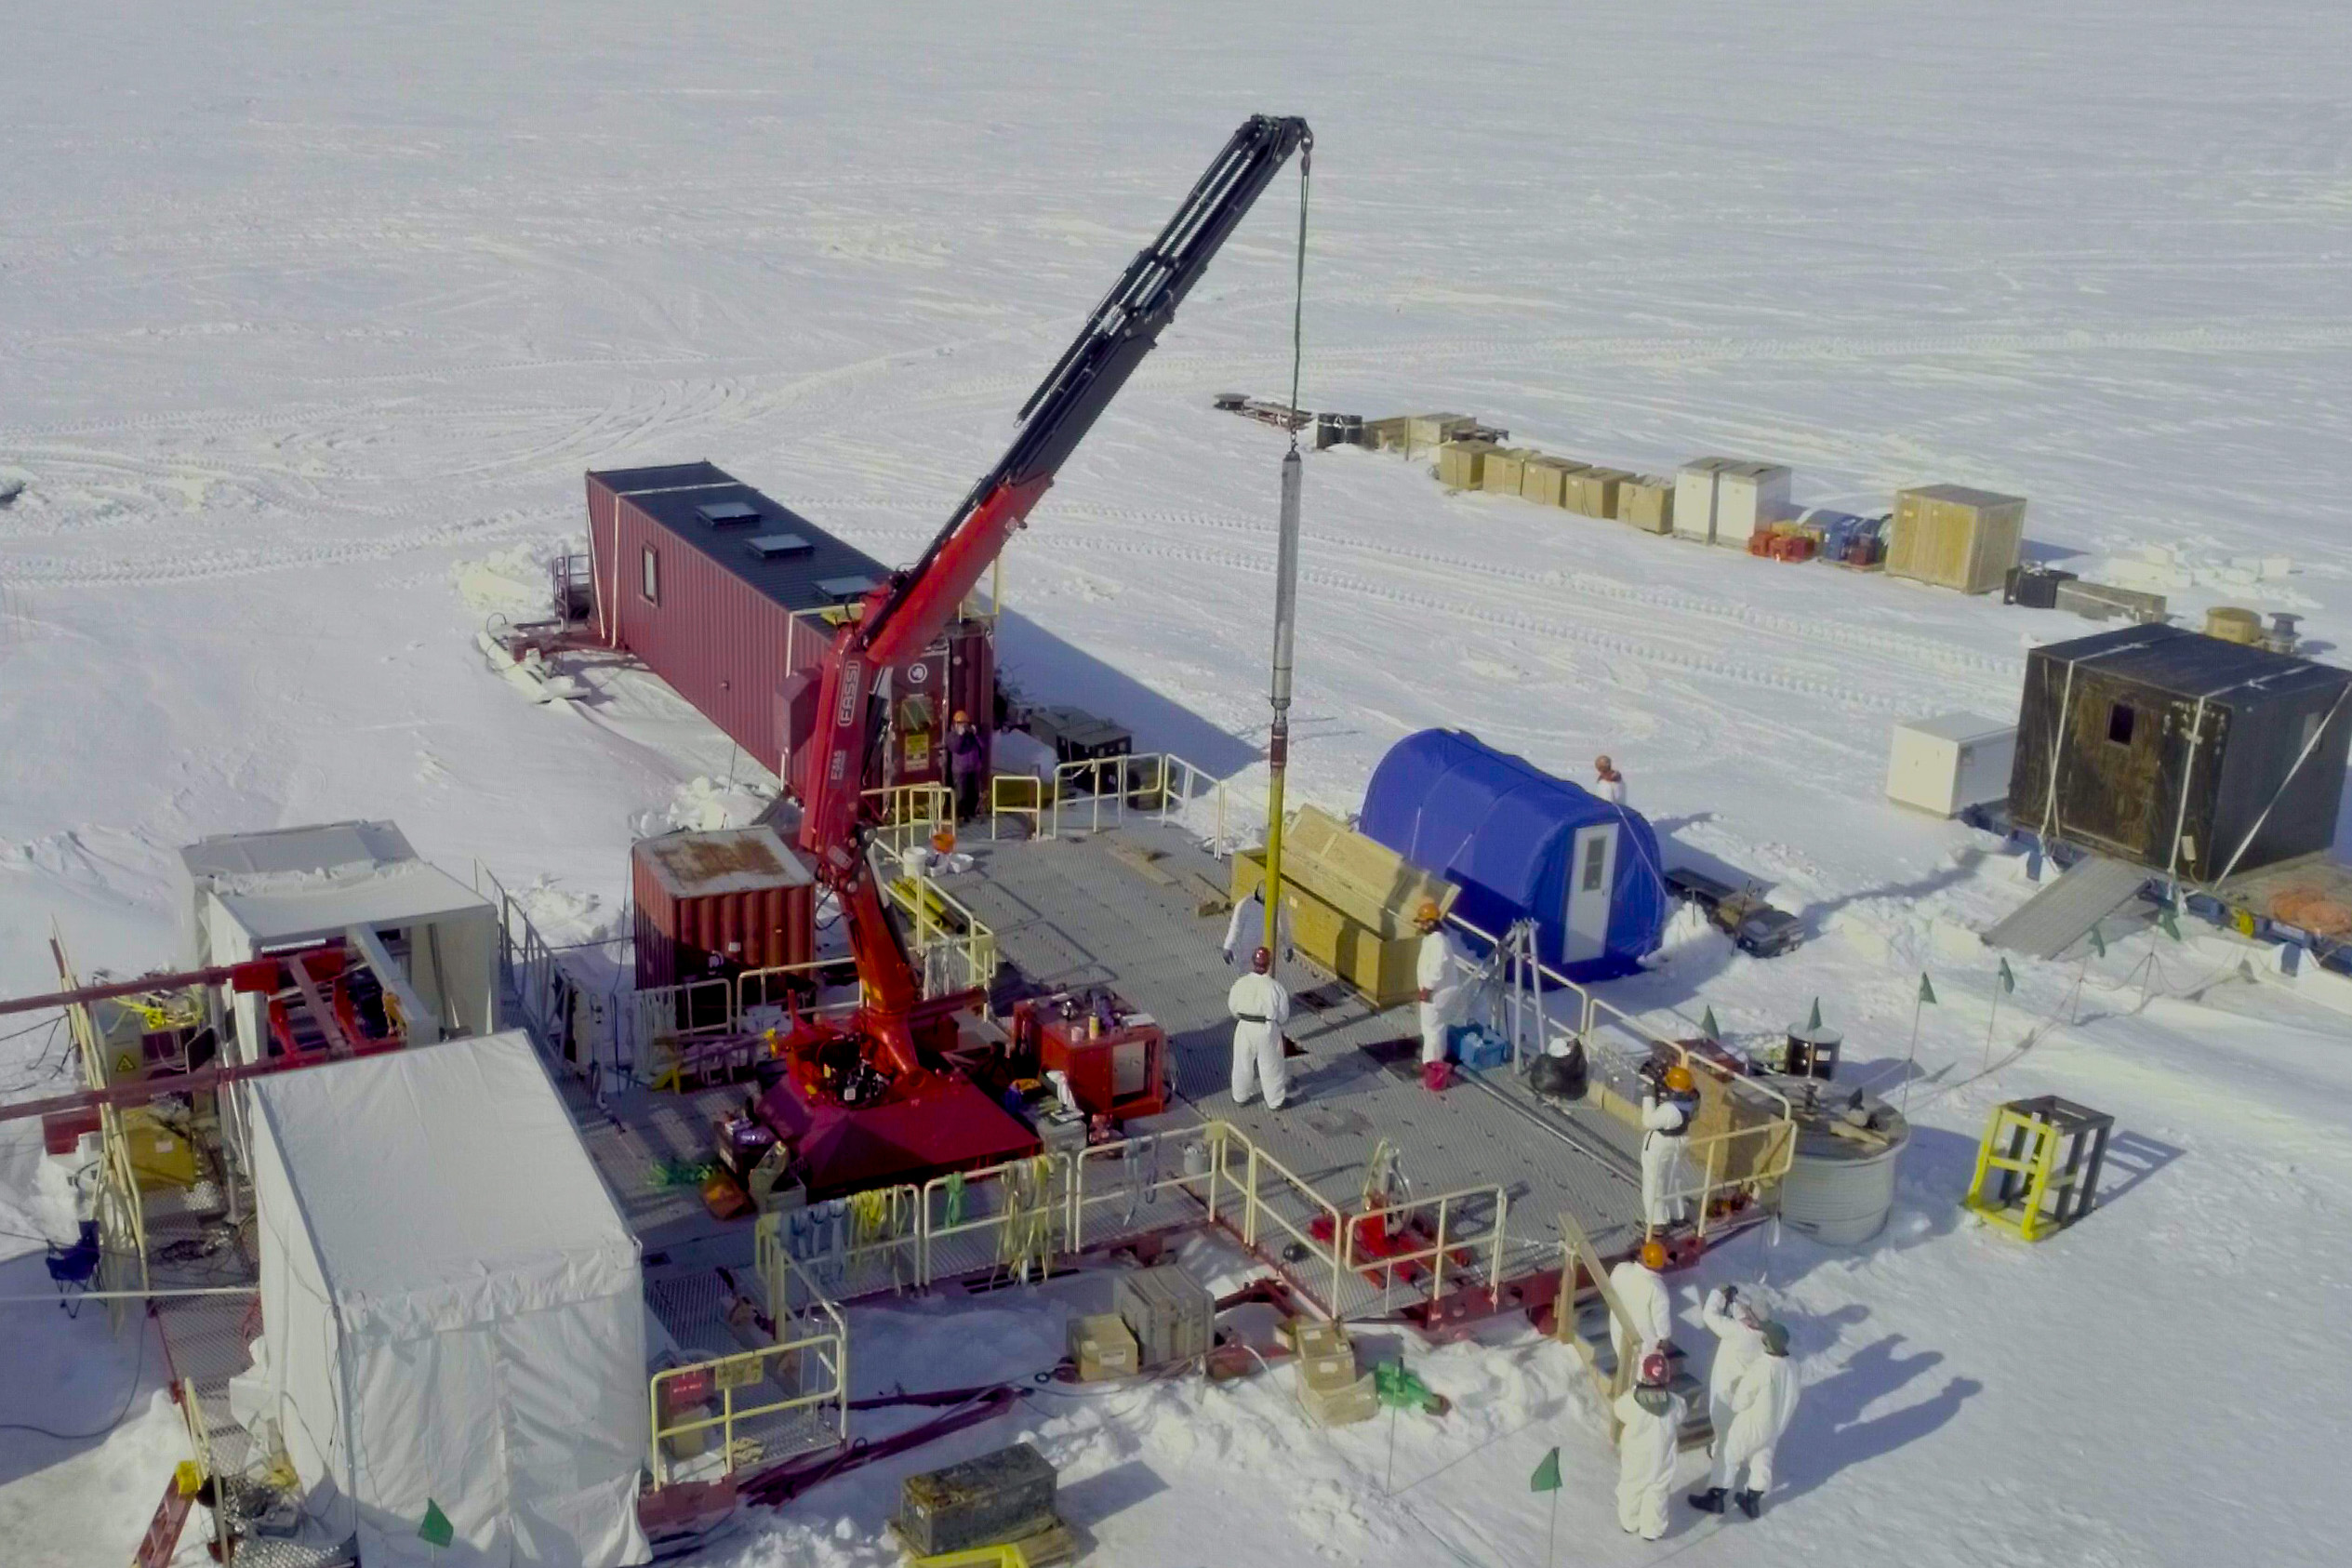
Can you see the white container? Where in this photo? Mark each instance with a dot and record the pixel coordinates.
(1840, 1181)
(1749, 496)
(1949, 763)
(1694, 497)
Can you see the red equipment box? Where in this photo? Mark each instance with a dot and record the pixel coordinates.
(1118, 1069)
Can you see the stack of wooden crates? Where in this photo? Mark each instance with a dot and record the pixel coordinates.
(1329, 1386)
(1352, 903)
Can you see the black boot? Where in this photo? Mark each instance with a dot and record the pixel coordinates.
(1750, 1503)
(1711, 1500)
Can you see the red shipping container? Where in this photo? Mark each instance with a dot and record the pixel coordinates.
(732, 597)
(715, 904)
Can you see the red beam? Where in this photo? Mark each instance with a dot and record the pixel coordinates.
(184, 1083)
(258, 973)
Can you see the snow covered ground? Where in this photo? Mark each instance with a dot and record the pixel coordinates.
(306, 310)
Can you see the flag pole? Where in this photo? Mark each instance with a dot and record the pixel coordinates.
(1910, 1063)
(1990, 1025)
(1551, 1532)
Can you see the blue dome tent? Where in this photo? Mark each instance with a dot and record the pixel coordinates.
(1520, 842)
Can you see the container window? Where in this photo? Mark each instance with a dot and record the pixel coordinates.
(1596, 860)
(651, 585)
(2120, 720)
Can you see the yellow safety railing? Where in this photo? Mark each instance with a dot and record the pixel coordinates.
(1450, 1232)
(1018, 795)
(811, 1333)
(1255, 1165)
(1125, 1189)
(911, 814)
(942, 923)
(1026, 1201)
(115, 1204)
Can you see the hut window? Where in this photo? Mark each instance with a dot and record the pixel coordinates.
(651, 584)
(1596, 858)
(2119, 721)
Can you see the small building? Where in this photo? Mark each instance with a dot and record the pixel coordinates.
(712, 904)
(452, 1311)
(1521, 844)
(2181, 753)
(427, 937)
(732, 597)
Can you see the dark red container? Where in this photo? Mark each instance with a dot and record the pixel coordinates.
(731, 597)
(714, 905)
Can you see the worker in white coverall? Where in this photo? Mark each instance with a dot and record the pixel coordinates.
(1764, 1402)
(1651, 1416)
(1440, 988)
(1608, 783)
(1737, 1323)
(1666, 1126)
(1260, 1007)
(1247, 928)
(1638, 1289)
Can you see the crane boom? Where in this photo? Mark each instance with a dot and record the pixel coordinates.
(904, 616)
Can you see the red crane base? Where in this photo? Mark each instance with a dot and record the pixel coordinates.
(939, 1124)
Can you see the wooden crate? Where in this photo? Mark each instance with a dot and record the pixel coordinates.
(1647, 502)
(1955, 537)
(1353, 905)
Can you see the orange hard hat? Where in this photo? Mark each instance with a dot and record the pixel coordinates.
(1678, 1079)
(943, 841)
(961, 717)
(1653, 1253)
(1428, 914)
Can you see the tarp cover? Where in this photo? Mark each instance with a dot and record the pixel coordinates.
(451, 1308)
(1504, 832)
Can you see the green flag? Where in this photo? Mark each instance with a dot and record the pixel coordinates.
(2098, 940)
(1815, 1022)
(436, 1530)
(1707, 1023)
(1547, 1476)
(1927, 992)
(2008, 980)
(2172, 925)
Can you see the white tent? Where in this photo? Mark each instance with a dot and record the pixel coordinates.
(451, 1309)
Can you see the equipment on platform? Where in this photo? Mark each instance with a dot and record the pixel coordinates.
(1841, 1180)
(1077, 735)
(1114, 1057)
(908, 1113)
(1522, 844)
(2037, 1167)
(998, 1497)
(712, 904)
(1351, 903)
(1172, 1315)
(1102, 1347)
(1810, 1050)
(1944, 764)
(2181, 753)
(1954, 537)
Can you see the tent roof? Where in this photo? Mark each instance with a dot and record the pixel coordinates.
(280, 909)
(445, 1186)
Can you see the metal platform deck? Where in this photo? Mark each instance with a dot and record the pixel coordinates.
(1075, 911)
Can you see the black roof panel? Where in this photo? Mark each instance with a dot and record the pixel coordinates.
(2173, 658)
(675, 496)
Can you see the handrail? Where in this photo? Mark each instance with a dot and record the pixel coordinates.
(1222, 1135)
(1436, 1252)
(723, 1374)
(1001, 807)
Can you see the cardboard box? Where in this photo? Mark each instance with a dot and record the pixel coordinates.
(1426, 432)
(1647, 502)
(1506, 469)
(1102, 1347)
(1461, 465)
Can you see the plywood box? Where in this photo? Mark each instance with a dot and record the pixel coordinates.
(1647, 502)
(1462, 464)
(1694, 497)
(1388, 435)
(1507, 470)
(1353, 902)
(1749, 497)
(1102, 1347)
(1949, 763)
(1604, 489)
(1541, 482)
(1425, 432)
(1955, 537)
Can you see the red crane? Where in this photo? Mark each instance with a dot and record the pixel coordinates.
(935, 1118)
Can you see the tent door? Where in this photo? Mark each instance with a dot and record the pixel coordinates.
(1592, 876)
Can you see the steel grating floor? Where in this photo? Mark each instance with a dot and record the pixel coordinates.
(1070, 911)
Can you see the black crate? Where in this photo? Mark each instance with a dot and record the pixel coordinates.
(1077, 735)
(2181, 753)
(995, 1498)
(2035, 588)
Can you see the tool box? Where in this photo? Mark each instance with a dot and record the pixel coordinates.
(996, 1498)
(1171, 1314)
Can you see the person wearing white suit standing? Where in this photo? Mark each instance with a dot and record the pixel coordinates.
(1737, 1326)
(1763, 1402)
(1650, 1416)
(1260, 1005)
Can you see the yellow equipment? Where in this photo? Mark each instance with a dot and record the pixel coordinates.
(159, 1156)
(1049, 1546)
(1352, 903)
(2037, 1169)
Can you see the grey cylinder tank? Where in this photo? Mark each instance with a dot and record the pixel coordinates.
(1840, 1181)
